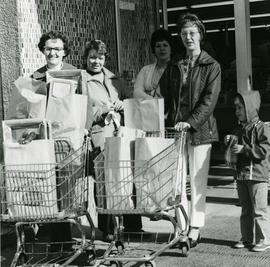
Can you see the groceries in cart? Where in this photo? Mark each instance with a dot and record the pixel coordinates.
(60, 100)
(43, 182)
(38, 170)
(142, 175)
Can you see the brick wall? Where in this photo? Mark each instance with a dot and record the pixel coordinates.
(23, 21)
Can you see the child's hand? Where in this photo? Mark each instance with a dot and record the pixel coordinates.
(230, 140)
(237, 149)
(227, 139)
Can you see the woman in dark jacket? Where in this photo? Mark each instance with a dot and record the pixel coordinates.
(190, 86)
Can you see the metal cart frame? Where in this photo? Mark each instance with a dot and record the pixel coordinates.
(48, 194)
(156, 195)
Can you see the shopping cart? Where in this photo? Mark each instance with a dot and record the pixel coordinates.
(158, 184)
(34, 196)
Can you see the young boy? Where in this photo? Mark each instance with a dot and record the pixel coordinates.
(252, 169)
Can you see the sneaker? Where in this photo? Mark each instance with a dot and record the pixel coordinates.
(260, 247)
(242, 244)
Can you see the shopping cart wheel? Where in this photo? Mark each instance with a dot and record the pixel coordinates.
(116, 264)
(150, 264)
(184, 247)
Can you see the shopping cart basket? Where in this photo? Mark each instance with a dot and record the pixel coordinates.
(36, 195)
(158, 183)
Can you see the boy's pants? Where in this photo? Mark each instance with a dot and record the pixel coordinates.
(198, 158)
(254, 222)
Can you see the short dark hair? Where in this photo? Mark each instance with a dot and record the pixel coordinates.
(97, 45)
(239, 97)
(54, 35)
(160, 35)
(193, 19)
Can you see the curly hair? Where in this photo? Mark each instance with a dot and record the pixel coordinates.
(158, 36)
(54, 35)
(97, 45)
(192, 19)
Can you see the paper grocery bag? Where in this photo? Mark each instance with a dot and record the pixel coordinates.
(154, 171)
(85, 188)
(147, 115)
(118, 154)
(77, 76)
(68, 117)
(124, 131)
(30, 178)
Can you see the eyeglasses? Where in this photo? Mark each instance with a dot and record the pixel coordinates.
(185, 34)
(55, 49)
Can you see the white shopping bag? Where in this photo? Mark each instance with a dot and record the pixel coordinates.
(29, 170)
(154, 171)
(89, 198)
(30, 178)
(118, 153)
(131, 133)
(77, 76)
(68, 116)
(147, 115)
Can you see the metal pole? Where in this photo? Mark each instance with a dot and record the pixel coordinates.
(165, 15)
(243, 45)
(118, 35)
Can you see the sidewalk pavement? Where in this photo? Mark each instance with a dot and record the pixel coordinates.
(220, 233)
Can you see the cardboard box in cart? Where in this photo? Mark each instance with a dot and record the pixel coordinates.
(29, 172)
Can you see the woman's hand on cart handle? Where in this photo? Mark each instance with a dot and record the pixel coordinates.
(182, 126)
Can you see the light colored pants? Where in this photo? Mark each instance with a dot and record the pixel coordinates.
(254, 220)
(198, 159)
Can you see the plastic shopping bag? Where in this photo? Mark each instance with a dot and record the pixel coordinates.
(28, 99)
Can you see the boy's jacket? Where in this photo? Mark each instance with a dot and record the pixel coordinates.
(254, 161)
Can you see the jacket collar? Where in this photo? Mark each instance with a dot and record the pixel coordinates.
(203, 59)
(107, 74)
(41, 72)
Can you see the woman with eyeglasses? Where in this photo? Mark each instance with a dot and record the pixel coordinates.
(190, 86)
(55, 47)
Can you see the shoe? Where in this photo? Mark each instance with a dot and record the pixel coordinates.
(242, 244)
(260, 247)
(194, 243)
(194, 236)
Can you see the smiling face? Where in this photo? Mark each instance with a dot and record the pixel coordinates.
(191, 37)
(95, 61)
(162, 51)
(54, 52)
